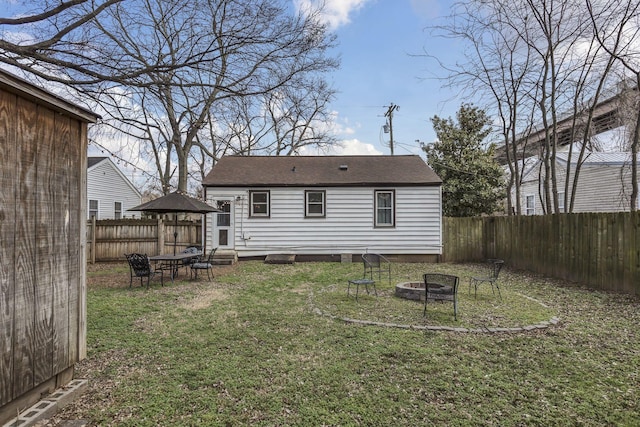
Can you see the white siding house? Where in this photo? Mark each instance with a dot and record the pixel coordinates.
(604, 184)
(109, 192)
(324, 206)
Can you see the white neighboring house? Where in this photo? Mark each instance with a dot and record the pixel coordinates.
(604, 184)
(109, 192)
(325, 206)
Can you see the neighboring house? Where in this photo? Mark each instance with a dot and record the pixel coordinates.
(612, 115)
(325, 206)
(43, 154)
(109, 192)
(604, 184)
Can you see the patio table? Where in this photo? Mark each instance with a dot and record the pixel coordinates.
(174, 260)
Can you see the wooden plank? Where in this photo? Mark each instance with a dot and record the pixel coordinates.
(622, 222)
(635, 255)
(76, 244)
(8, 173)
(44, 240)
(81, 173)
(60, 285)
(25, 252)
(616, 254)
(576, 232)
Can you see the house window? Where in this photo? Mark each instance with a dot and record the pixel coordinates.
(385, 208)
(259, 203)
(560, 201)
(223, 218)
(314, 203)
(530, 205)
(93, 209)
(117, 211)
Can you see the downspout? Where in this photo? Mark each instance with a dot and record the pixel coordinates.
(204, 224)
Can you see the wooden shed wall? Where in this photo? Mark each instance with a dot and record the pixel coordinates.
(42, 273)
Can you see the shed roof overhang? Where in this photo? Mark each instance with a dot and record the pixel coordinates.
(16, 85)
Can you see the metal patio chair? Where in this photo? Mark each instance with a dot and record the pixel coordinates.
(375, 263)
(493, 267)
(204, 264)
(195, 250)
(140, 266)
(441, 287)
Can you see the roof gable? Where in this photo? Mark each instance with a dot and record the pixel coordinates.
(93, 162)
(329, 171)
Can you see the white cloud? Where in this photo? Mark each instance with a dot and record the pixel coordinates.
(335, 13)
(341, 125)
(356, 147)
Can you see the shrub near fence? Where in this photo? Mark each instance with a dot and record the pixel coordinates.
(600, 250)
(109, 240)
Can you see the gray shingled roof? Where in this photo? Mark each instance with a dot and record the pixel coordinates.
(272, 171)
(92, 161)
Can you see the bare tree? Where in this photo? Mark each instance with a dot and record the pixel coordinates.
(537, 64)
(299, 116)
(617, 27)
(498, 67)
(161, 70)
(65, 49)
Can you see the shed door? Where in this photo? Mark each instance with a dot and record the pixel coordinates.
(223, 230)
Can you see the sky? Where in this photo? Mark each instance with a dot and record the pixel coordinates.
(381, 44)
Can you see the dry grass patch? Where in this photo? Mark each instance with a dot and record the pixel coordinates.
(203, 298)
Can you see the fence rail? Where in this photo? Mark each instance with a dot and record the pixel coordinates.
(109, 240)
(601, 250)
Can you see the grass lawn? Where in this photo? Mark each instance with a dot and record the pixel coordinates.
(264, 345)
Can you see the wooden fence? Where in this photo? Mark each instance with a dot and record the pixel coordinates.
(109, 240)
(600, 250)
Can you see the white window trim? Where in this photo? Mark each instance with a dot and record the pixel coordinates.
(115, 210)
(560, 201)
(268, 203)
(307, 212)
(97, 210)
(526, 205)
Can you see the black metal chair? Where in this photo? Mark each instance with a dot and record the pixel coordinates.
(441, 287)
(195, 250)
(493, 267)
(375, 263)
(204, 264)
(140, 266)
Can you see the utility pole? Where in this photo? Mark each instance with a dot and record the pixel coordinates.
(389, 114)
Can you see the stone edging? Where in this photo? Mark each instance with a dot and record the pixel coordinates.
(537, 326)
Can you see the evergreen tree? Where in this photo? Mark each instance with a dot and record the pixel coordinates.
(473, 182)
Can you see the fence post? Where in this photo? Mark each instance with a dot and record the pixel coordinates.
(160, 236)
(93, 239)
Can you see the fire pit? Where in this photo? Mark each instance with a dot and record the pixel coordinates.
(415, 290)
